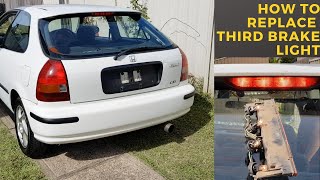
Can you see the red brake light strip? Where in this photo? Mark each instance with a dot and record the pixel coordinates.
(273, 83)
(102, 14)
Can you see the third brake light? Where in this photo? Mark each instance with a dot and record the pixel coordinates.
(273, 83)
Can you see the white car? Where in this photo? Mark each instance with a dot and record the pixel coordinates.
(73, 73)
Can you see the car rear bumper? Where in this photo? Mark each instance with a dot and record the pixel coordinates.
(60, 123)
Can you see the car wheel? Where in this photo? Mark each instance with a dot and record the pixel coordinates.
(28, 144)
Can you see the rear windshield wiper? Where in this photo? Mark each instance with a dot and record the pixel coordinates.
(143, 48)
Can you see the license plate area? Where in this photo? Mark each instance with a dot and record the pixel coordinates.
(131, 77)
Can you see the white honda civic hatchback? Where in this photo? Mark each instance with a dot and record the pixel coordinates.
(74, 73)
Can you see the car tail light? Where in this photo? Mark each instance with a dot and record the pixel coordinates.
(185, 70)
(273, 83)
(52, 85)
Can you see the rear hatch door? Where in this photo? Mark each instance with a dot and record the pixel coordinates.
(104, 78)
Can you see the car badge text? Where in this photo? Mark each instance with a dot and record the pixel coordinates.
(132, 58)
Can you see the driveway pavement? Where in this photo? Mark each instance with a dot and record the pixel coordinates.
(98, 159)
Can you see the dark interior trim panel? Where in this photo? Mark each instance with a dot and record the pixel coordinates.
(55, 121)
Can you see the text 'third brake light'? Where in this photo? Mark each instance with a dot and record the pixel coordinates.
(52, 85)
(273, 83)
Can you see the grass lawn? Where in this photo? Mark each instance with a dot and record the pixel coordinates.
(13, 164)
(185, 154)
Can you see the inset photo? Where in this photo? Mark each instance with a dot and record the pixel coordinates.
(267, 118)
(106, 89)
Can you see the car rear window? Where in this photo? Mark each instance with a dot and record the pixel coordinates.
(98, 34)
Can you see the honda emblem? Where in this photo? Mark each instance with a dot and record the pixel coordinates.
(132, 58)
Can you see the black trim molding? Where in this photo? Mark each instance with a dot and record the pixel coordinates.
(190, 95)
(55, 121)
(5, 89)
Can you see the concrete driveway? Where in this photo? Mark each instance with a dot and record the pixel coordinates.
(98, 159)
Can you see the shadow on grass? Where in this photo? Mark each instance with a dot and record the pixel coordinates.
(2, 114)
(139, 140)
(5, 111)
(155, 136)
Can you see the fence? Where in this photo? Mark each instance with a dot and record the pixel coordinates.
(11, 4)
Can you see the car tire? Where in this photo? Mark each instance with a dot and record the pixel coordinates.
(30, 146)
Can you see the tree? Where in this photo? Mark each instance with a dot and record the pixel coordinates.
(288, 59)
(282, 59)
(142, 7)
(273, 60)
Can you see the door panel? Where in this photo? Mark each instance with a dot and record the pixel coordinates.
(5, 23)
(13, 69)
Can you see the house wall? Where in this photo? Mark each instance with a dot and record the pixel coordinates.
(50, 1)
(308, 60)
(188, 23)
(211, 78)
(315, 61)
(11, 4)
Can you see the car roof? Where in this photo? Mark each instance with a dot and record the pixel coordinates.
(43, 11)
